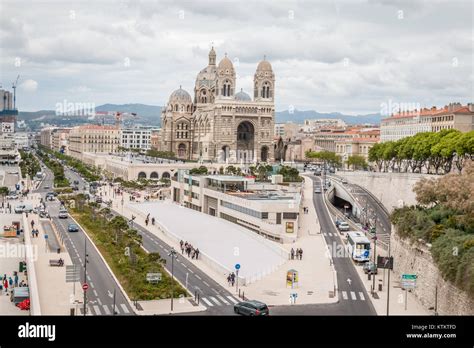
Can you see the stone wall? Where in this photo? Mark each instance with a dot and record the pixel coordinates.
(392, 189)
(417, 259)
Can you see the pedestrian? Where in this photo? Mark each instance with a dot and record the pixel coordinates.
(10, 282)
(16, 279)
(301, 254)
(232, 278)
(229, 279)
(292, 254)
(197, 253)
(37, 231)
(32, 224)
(5, 286)
(193, 253)
(153, 221)
(146, 222)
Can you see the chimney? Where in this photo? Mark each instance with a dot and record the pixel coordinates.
(433, 108)
(471, 107)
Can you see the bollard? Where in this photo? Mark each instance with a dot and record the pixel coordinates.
(239, 293)
(199, 298)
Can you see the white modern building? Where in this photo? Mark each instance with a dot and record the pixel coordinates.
(267, 209)
(136, 138)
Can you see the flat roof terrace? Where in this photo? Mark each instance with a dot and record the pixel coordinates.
(223, 242)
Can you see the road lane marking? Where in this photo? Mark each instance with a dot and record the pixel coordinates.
(344, 295)
(222, 299)
(213, 299)
(124, 308)
(99, 301)
(190, 271)
(92, 284)
(232, 299)
(217, 292)
(198, 277)
(207, 302)
(95, 293)
(361, 294)
(353, 295)
(205, 283)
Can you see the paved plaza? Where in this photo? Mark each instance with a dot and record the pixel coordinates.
(226, 243)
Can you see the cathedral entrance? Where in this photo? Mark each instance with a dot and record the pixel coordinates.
(245, 142)
(264, 154)
(181, 150)
(225, 153)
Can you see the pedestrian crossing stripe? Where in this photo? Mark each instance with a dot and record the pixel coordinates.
(213, 299)
(361, 294)
(106, 309)
(233, 300)
(353, 295)
(222, 299)
(344, 295)
(124, 308)
(207, 302)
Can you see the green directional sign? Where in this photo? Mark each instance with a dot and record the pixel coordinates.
(409, 276)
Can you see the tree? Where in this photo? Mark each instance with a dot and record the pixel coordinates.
(357, 162)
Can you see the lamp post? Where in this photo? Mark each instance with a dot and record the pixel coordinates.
(375, 253)
(173, 255)
(85, 274)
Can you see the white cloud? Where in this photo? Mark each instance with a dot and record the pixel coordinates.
(167, 43)
(29, 86)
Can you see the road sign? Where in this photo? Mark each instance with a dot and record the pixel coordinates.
(237, 266)
(153, 277)
(85, 286)
(385, 262)
(408, 281)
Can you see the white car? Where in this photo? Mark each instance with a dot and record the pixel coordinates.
(12, 196)
(343, 226)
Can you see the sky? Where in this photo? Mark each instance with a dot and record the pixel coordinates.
(351, 56)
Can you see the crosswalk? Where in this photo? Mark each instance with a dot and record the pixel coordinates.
(218, 300)
(329, 234)
(120, 309)
(352, 296)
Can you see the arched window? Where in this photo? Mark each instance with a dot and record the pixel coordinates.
(176, 107)
(265, 90)
(226, 90)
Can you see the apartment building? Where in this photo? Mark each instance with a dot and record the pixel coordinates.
(136, 138)
(94, 139)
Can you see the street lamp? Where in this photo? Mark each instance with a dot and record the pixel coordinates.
(85, 274)
(173, 255)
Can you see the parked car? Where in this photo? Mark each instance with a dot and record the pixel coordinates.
(344, 181)
(317, 173)
(12, 195)
(343, 226)
(98, 199)
(23, 208)
(73, 228)
(251, 308)
(370, 267)
(317, 190)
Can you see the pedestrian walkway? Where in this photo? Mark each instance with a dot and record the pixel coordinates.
(352, 295)
(219, 300)
(96, 309)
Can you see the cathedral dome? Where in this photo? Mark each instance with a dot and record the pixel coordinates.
(264, 65)
(225, 63)
(180, 95)
(242, 96)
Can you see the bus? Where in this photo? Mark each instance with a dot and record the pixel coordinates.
(358, 246)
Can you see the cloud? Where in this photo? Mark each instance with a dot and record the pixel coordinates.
(337, 55)
(29, 86)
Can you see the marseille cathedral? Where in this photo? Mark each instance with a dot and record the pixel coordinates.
(218, 123)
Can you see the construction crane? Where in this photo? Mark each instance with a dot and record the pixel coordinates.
(14, 92)
(118, 118)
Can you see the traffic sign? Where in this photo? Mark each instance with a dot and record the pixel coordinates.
(153, 277)
(408, 281)
(85, 286)
(237, 266)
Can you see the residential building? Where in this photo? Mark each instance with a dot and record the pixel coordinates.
(93, 138)
(155, 139)
(409, 123)
(60, 140)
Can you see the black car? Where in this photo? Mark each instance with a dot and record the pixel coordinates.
(251, 308)
(73, 228)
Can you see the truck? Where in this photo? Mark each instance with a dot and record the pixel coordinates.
(23, 208)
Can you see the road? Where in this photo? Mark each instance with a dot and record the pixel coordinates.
(100, 280)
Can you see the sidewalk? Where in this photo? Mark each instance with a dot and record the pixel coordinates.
(56, 296)
(316, 276)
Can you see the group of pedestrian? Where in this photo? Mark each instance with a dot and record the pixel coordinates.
(34, 233)
(298, 253)
(147, 220)
(187, 248)
(10, 283)
(231, 279)
(305, 210)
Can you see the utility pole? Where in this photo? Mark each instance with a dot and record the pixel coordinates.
(14, 92)
(375, 252)
(173, 255)
(389, 271)
(85, 274)
(115, 312)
